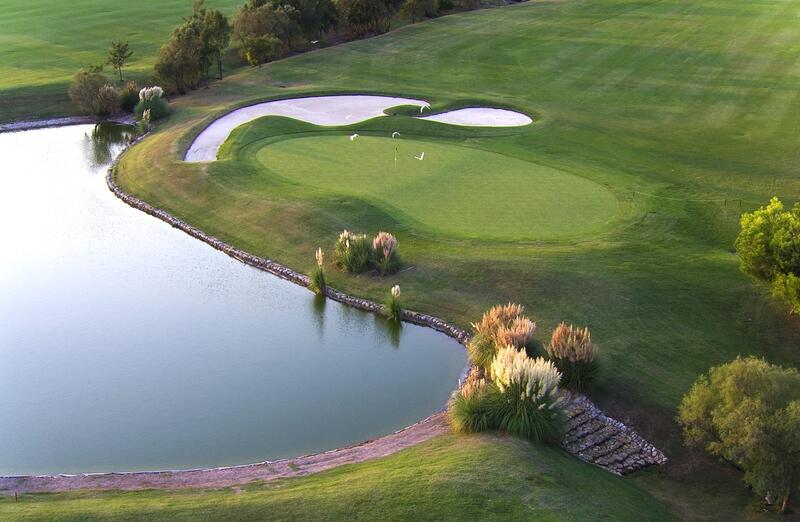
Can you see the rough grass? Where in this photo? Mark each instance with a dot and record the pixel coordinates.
(438, 480)
(45, 42)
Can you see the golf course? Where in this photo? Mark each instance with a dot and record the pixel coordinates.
(655, 126)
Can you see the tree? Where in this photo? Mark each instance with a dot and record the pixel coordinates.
(364, 16)
(214, 36)
(84, 91)
(769, 241)
(258, 19)
(178, 64)
(118, 56)
(314, 16)
(769, 248)
(418, 9)
(261, 49)
(748, 412)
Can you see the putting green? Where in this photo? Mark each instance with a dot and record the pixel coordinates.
(453, 191)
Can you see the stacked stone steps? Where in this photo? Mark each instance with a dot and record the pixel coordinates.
(600, 440)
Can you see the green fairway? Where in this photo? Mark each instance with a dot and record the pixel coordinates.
(452, 191)
(685, 112)
(45, 42)
(437, 480)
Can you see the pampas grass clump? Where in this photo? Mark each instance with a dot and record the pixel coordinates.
(522, 399)
(572, 351)
(394, 309)
(352, 252)
(385, 246)
(502, 325)
(318, 275)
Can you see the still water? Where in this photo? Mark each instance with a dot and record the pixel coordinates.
(127, 345)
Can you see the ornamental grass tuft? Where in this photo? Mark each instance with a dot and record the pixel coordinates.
(352, 252)
(385, 247)
(573, 353)
(522, 399)
(394, 310)
(502, 325)
(318, 275)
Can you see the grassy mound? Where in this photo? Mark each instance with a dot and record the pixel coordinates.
(453, 191)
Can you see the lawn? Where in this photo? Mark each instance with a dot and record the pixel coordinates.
(45, 42)
(685, 112)
(513, 483)
(454, 191)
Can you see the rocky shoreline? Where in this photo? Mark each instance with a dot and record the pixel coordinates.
(591, 435)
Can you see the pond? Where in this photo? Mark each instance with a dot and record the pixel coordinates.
(125, 344)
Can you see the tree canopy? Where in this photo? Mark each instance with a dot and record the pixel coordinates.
(748, 412)
(118, 56)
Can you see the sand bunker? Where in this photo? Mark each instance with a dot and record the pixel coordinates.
(481, 117)
(338, 110)
(319, 110)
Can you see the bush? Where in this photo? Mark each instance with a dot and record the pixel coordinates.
(394, 310)
(352, 252)
(107, 100)
(129, 97)
(318, 275)
(416, 10)
(470, 409)
(502, 325)
(573, 353)
(84, 91)
(152, 98)
(748, 412)
(385, 247)
(522, 399)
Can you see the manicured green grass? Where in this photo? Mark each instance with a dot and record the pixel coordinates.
(453, 192)
(685, 112)
(45, 42)
(437, 480)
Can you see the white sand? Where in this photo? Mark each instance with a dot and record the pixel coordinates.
(481, 117)
(319, 110)
(339, 110)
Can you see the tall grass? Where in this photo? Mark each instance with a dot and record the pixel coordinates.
(385, 247)
(502, 325)
(318, 275)
(352, 252)
(394, 309)
(573, 353)
(522, 399)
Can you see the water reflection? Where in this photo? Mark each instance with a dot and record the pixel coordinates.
(105, 141)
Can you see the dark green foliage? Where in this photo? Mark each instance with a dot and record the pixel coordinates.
(577, 375)
(364, 16)
(129, 97)
(353, 253)
(394, 309)
(471, 411)
(178, 63)
(417, 10)
(266, 30)
(159, 108)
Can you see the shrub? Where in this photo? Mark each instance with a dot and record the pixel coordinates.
(470, 409)
(352, 252)
(418, 9)
(522, 399)
(152, 99)
(502, 325)
(393, 308)
(107, 100)
(318, 275)
(769, 241)
(129, 97)
(529, 405)
(573, 353)
(748, 412)
(84, 91)
(385, 246)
